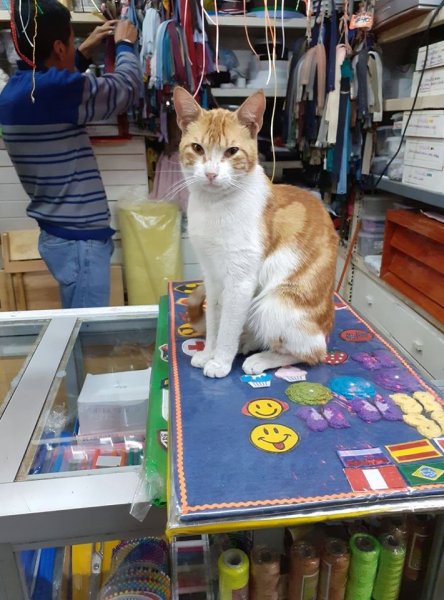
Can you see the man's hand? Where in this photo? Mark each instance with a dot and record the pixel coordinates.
(94, 39)
(125, 32)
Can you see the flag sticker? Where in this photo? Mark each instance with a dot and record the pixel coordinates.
(368, 480)
(413, 451)
(364, 457)
(440, 443)
(425, 473)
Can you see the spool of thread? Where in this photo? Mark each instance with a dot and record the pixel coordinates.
(363, 566)
(391, 565)
(265, 573)
(419, 528)
(233, 567)
(335, 562)
(304, 571)
(396, 526)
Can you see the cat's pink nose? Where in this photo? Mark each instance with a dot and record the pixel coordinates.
(211, 176)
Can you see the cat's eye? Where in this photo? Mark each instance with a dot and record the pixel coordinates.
(231, 152)
(198, 149)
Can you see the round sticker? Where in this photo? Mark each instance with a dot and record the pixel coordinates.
(264, 408)
(186, 330)
(193, 345)
(274, 438)
(356, 335)
(187, 288)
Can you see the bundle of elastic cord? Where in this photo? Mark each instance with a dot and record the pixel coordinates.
(25, 59)
(138, 568)
(391, 565)
(365, 551)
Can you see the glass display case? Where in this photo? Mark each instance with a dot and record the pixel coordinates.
(74, 395)
(17, 343)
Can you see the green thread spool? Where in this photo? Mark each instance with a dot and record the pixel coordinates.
(233, 566)
(365, 551)
(391, 566)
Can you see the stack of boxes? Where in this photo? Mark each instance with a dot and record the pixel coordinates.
(424, 153)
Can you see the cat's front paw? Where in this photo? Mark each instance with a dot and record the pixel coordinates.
(217, 368)
(200, 359)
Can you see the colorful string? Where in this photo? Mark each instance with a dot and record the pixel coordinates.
(365, 551)
(391, 566)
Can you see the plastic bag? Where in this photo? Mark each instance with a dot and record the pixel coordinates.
(151, 246)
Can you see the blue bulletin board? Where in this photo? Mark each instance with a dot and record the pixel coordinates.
(364, 425)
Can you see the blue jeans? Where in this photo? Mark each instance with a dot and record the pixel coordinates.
(80, 267)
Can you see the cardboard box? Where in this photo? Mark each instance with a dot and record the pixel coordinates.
(435, 57)
(424, 152)
(413, 259)
(432, 83)
(425, 124)
(427, 179)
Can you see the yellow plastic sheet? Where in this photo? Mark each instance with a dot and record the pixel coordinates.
(151, 249)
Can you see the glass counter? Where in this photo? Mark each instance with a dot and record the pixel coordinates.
(94, 416)
(17, 344)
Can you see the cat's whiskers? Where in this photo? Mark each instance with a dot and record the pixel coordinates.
(180, 186)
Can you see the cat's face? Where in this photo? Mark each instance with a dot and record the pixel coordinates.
(218, 147)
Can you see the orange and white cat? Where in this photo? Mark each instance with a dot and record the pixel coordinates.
(267, 252)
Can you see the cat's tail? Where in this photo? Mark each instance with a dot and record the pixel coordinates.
(196, 309)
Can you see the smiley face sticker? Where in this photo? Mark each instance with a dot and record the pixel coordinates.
(274, 438)
(187, 288)
(264, 408)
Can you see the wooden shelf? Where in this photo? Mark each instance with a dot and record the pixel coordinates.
(407, 28)
(395, 104)
(244, 92)
(250, 21)
(77, 18)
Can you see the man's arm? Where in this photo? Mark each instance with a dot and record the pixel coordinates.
(113, 93)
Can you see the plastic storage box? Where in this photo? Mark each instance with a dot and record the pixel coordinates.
(370, 243)
(113, 402)
(373, 224)
(376, 206)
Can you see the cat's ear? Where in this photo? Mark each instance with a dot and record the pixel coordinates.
(187, 109)
(251, 112)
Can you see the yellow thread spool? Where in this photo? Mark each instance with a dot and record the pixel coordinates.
(233, 568)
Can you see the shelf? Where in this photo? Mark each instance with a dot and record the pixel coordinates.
(395, 104)
(408, 28)
(409, 191)
(250, 21)
(77, 18)
(244, 92)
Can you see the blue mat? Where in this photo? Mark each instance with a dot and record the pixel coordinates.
(334, 434)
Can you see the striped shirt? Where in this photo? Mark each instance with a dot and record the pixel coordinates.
(50, 148)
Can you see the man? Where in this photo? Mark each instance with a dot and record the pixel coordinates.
(43, 115)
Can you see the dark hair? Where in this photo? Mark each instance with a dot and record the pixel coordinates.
(53, 23)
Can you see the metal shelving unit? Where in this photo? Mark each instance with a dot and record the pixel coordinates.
(414, 193)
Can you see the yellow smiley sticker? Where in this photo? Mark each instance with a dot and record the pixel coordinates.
(264, 408)
(186, 330)
(187, 288)
(274, 438)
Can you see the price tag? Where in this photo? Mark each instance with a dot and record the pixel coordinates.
(363, 20)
